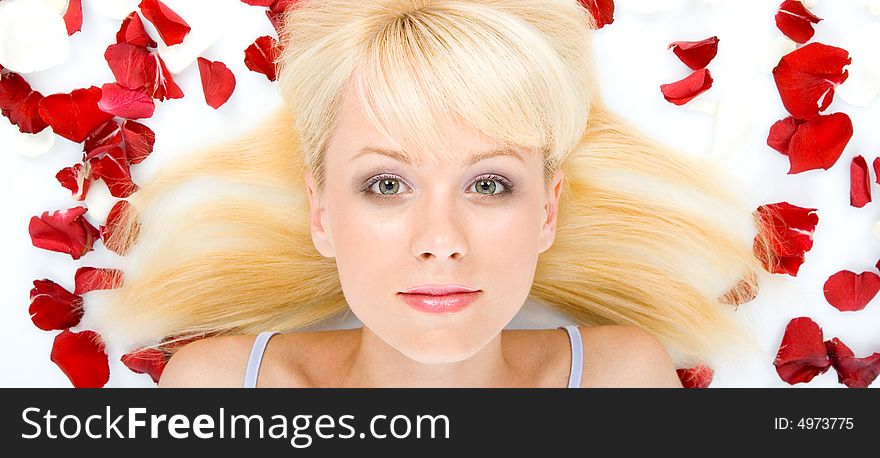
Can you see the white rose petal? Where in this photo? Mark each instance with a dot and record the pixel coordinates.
(180, 56)
(875, 228)
(863, 83)
(701, 105)
(58, 5)
(114, 9)
(99, 200)
(33, 36)
(810, 4)
(734, 125)
(27, 145)
(769, 59)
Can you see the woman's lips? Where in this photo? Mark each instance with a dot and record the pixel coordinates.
(446, 303)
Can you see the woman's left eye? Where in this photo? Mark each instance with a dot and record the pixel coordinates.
(489, 185)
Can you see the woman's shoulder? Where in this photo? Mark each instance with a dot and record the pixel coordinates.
(625, 356)
(211, 362)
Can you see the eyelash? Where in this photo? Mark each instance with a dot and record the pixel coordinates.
(508, 186)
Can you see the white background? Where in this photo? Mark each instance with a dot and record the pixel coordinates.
(633, 61)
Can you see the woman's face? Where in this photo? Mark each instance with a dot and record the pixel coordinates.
(393, 226)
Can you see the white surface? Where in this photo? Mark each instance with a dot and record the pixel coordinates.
(633, 60)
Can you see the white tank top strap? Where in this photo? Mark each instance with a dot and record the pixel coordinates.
(577, 355)
(256, 357)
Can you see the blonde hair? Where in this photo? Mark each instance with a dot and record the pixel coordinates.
(646, 236)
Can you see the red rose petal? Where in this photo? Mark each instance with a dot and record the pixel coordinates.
(65, 231)
(696, 54)
(849, 292)
(149, 361)
(81, 357)
(77, 179)
(136, 67)
(808, 74)
(107, 231)
(682, 91)
(802, 354)
(53, 307)
(218, 82)
(165, 87)
(859, 182)
(265, 3)
(114, 169)
(696, 377)
(73, 17)
(75, 115)
(813, 144)
(876, 165)
(127, 103)
(275, 13)
(135, 138)
(851, 371)
(171, 27)
(261, 56)
(20, 103)
(602, 11)
(796, 21)
(132, 31)
(92, 278)
(789, 229)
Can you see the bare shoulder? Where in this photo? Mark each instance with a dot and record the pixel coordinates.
(623, 356)
(212, 362)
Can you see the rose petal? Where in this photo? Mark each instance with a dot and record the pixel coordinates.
(275, 13)
(149, 361)
(696, 54)
(56, 109)
(171, 27)
(135, 67)
(73, 17)
(860, 182)
(601, 10)
(27, 145)
(108, 231)
(33, 37)
(91, 278)
(261, 56)
(802, 354)
(682, 91)
(813, 144)
(851, 371)
(135, 138)
(127, 103)
(53, 307)
(132, 31)
(114, 169)
(849, 292)
(796, 21)
(789, 229)
(114, 9)
(807, 76)
(81, 357)
(65, 231)
(265, 3)
(218, 82)
(77, 179)
(699, 376)
(20, 103)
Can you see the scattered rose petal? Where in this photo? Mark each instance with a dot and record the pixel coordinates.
(134, 138)
(75, 115)
(807, 76)
(218, 82)
(873, 6)
(696, 54)
(863, 84)
(275, 13)
(91, 278)
(734, 124)
(851, 371)
(135, 67)
(814, 144)
(108, 231)
(132, 31)
(876, 165)
(171, 27)
(73, 17)
(81, 357)
(33, 36)
(114, 9)
(27, 145)
(65, 231)
(699, 376)
(796, 21)
(149, 361)
(261, 56)
(744, 291)
(849, 292)
(682, 91)
(77, 179)
(860, 182)
(265, 3)
(127, 103)
(20, 103)
(779, 46)
(178, 58)
(53, 307)
(802, 354)
(602, 11)
(113, 168)
(789, 229)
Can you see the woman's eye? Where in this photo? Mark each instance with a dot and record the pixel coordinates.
(387, 186)
(489, 186)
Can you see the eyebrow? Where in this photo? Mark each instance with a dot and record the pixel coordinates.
(477, 157)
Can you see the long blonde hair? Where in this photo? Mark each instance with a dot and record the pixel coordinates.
(646, 236)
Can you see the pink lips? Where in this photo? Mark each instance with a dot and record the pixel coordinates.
(439, 298)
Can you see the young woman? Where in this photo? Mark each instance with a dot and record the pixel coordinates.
(437, 163)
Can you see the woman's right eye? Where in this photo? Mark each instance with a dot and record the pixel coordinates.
(386, 186)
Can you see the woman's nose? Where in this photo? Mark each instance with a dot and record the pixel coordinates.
(439, 230)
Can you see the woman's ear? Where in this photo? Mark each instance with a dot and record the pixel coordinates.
(551, 211)
(320, 235)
